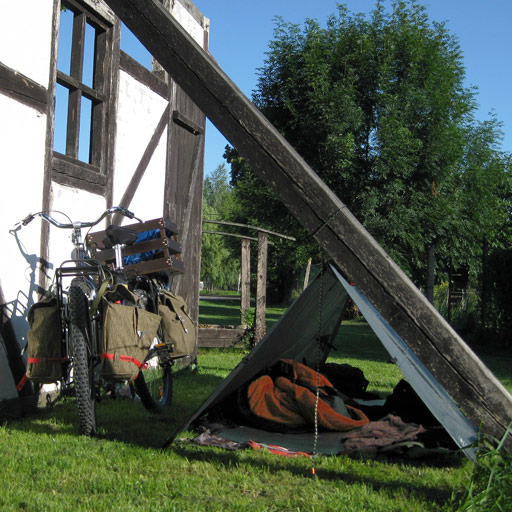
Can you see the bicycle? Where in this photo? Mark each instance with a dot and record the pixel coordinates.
(82, 318)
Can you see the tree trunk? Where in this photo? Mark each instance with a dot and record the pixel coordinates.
(245, 299)
(431, 265)
(484, 287)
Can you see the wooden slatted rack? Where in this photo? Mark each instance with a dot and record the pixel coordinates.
(168, 249)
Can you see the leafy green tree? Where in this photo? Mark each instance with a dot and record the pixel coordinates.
(219, 262)
(257, 205)
(483, 184)
(377, 106)
(217, 191)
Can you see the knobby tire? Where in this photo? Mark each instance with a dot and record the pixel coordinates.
(154, 386)
(83, 377)
(154, 383)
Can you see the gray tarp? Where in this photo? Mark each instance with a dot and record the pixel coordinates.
(318, 311)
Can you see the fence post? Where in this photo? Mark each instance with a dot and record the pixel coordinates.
(245, 289)
(261, 288)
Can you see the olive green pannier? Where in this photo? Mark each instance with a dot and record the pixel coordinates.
(178, 329)
(128, 333)
(45, 356)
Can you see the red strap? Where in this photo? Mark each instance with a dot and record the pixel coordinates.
(22, 382)
(37, 360)
(128, 359)
(131, 360)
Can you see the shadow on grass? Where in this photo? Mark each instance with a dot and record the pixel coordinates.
(228, 460)
(226, 312)
(125, 420)
(273, 317)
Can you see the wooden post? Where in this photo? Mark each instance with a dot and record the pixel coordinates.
(484, 400)
(306, 276)
(260, 327)
(431, 264)
(245, 291)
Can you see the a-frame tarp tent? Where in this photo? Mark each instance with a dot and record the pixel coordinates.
(317, 313)
(471, 385)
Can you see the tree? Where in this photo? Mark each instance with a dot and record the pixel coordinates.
(217, 192)
(219, 262)
(377, 106)
(255, 204)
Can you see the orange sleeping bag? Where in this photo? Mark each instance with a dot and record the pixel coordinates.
(290, 400)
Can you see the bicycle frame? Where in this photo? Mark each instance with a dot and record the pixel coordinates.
(86, 276)
(82, 319)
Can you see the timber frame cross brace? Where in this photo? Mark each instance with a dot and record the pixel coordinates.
(472, 386)
(245, 279)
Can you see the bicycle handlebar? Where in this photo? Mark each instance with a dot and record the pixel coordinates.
(73, 225)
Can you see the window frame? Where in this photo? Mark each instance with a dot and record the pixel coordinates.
(68, 166)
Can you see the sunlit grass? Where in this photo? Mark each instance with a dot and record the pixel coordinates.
(47, 466)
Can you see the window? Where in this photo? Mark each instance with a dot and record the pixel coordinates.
(82, 86)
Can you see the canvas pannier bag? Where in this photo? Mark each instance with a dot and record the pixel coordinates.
(128, 333)
(178, 329)
(45, 356)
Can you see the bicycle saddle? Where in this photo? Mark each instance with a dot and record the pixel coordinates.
(117, 235)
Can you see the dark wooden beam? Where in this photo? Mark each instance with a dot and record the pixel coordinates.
(139, 171)
(189, 125)
(143, 75)
(67, 171)
(473, 387)
(219, 336)
(23, 89)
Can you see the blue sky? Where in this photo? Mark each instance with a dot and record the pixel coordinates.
(240, 32)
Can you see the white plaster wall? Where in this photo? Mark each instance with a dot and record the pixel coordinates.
(149, 197)
(26, 36)
(22, 150)
(138, 113)
(78, 205)
(188, 22)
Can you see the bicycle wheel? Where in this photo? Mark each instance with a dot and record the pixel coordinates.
(154, 384)
(80, 342)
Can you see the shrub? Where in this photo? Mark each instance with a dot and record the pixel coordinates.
(499, 281)
(490, 488)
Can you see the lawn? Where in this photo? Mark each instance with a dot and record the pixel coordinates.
(47, 466)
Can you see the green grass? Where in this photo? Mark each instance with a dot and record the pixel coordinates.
(227, 312)
(490, 487)
(219, 312)
(47, 466)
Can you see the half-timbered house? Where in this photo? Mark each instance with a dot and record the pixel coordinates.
(85, 126)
